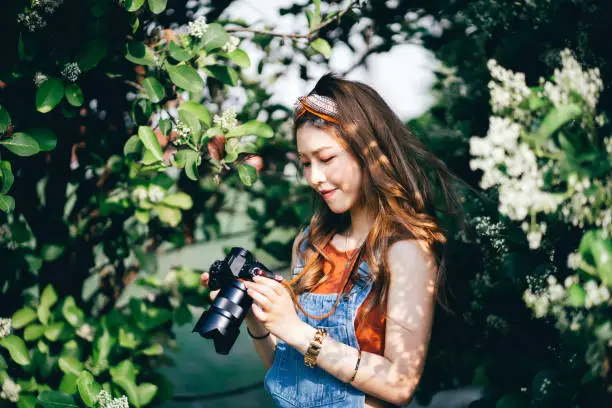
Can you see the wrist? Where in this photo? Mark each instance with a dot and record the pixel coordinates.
(300, 336)
(255, 327)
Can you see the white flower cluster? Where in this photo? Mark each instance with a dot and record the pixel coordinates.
(588, 202)
(574, 260)
(71, 71)
(227, 120)
(198, 28)
(231, 44)
(495, 232)
(509, 91)
(140, 193)
(595, 294)
(10, 390)
(106, 401)
(33, 21)
(183, 133)
(39, 78)
(520, 185)
(5, 326)
(48, 6)
(86, 332)
(509, 162)
(555, 300)
(571, 78)
(156, 193)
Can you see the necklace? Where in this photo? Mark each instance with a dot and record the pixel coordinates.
(350, 260)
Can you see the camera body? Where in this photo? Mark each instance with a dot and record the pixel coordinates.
(221, 322)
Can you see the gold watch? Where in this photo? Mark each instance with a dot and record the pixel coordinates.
(310, 357)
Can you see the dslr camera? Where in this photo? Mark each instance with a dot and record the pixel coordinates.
(222, 320)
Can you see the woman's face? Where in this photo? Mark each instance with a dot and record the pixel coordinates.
(329, 169)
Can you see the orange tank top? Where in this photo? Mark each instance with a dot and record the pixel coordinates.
(371, 332)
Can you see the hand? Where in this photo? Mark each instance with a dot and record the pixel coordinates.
(204, 278)
(273, 306)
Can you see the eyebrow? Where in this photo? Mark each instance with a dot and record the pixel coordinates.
(316, 151)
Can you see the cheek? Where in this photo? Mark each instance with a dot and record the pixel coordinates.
(347, 173)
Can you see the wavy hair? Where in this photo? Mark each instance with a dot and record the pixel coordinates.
(405, 187)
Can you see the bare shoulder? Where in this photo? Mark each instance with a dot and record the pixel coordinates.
(410, 258)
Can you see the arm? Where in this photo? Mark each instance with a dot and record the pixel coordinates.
(394, 376)
(266, 348)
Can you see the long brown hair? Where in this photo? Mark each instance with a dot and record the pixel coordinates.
(405, 187)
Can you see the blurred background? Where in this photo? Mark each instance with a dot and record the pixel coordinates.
(141, 139)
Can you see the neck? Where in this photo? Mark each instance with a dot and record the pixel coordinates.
(361, 224)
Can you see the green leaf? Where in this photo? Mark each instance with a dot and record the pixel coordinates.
(215, 37)
(56, 399)
(74, 95)
(54, 330)
(223, 73)
(183, 156)
(49, 94)
(6, 177)
(557, 117)
(127, 339)
(132, 146)
(102, 348)
(7, 203)
(133, 5)
(142, 216)
(68, 384)
(43, 314)
(186, 77)
(146, 393)
(139, 53)
(191, 167)
(88, 388)
(50, 252)
(247, 174)
(48, 297)
(321, 46)
(5, 119)
(23, 317)
(192, 123)
(33, 332)
(241, 58)
(93, 52)
(313, 19)
(198, 110)
(168, 215)
(177, 52)
(153, 350)
(157, 6)
(70, 365)
(252, 127)
(149, 140)
(16, 348)
(576, 295)
(21, 144)
(72, 313)
(180, 200)
(154, 89)
(26, 401)
(45, 137)
(165, 125)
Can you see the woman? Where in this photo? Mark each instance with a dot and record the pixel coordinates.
(353, 329)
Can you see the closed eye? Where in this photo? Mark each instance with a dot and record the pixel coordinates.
(327, 160)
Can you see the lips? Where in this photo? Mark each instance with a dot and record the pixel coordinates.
(327, 193)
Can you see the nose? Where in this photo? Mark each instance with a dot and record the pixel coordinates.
(317, 175)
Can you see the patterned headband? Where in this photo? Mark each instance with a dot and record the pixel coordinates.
(322, 106)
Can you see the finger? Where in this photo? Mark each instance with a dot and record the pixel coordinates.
(260, 299)
(259, 313)
(213, 294)
(264, 289)
(204, 278)
(273, 284)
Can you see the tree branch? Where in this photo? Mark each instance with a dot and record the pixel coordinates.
(296, 36)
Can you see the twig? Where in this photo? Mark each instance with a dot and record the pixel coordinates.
(135, 85)
(295, 36)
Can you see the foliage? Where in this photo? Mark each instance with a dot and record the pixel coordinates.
(119, 138)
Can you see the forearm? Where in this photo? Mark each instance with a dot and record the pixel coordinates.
(265, 348)
(377, 376)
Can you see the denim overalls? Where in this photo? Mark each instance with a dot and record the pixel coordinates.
(289, 381)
